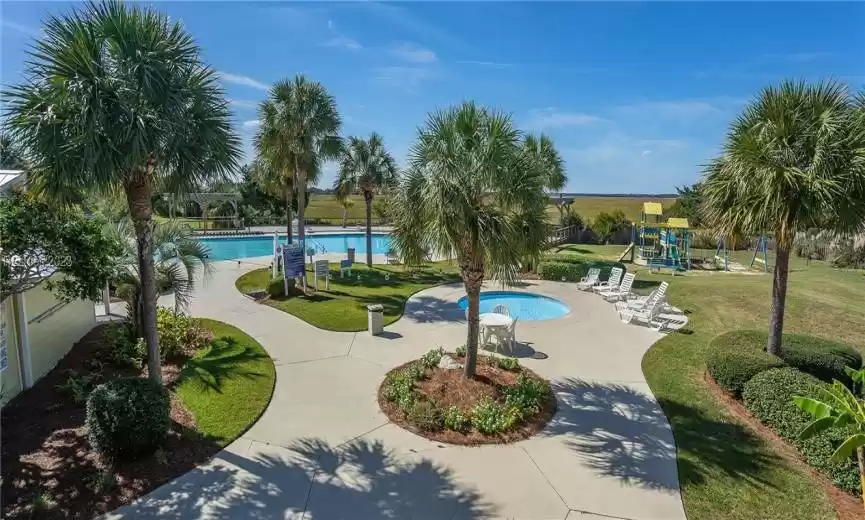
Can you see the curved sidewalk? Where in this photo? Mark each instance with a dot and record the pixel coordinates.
(322, 450)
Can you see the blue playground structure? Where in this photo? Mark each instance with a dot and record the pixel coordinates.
(661, 245)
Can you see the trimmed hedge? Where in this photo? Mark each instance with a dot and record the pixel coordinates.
(821, 358)
(769, 396)
(128, 417)
(732, 369)
(572, 267)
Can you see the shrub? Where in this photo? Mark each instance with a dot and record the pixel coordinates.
(399, 388)
(606, 225)
(489, 417)
(425, 415)
(769, 396)
(456, 420)
(123, 349)
(506, 363)
(77, 387)
(179, 333)
(276, 288)
(460, 351)
(527, 395)
(431, 359)
(573, 268)
(415, 371)
(733, 361)
(128, 417)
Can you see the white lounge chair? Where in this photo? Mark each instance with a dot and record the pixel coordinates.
(590, 280)
(639, 303)
(622, 292)
(511, 337)
(649, 316)
(502, 309)
(613, 281)
(391, 257)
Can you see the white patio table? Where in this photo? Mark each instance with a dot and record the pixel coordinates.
(495, 325)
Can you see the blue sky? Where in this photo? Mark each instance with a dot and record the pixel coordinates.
(636, 95)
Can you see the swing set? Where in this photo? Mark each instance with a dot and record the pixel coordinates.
(722, 254)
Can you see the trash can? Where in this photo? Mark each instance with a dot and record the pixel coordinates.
(376, 318)
(350, 254)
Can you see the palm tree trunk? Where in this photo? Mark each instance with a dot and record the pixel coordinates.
(138, 194)
(860, 454)
(367, 197)
(473, 279)
(301, 205)
(779, 298)
(288, 213)
(344, 216)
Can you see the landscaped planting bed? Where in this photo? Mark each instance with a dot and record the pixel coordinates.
(217, 381)
(505, 402)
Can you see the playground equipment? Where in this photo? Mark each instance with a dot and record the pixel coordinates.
(722, 249)
(760, 253)
(660, 245)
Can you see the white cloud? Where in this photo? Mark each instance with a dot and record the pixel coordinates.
(683, 109)
(406, 78)
(342, 42)
(253, 123)
(242, 80)
(243, 103)
(26, 29)
(414, 53)
(553, 118)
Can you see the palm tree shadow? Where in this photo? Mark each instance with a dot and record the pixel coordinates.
(622, 433)
(430, 309)
(314, 479)
(219, 361)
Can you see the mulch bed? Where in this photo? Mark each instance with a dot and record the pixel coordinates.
(448, 388)
(847, 506)
(46, 453)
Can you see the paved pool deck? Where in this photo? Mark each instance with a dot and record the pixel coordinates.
(323, 450)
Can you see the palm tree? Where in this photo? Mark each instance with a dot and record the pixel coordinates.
(347, 203)
(365, 166)
(179, 257)
(794, 159)
(471, 192)
(117, 98)
(542, 150)
(299, 131)
(11, 155)
(837, 407)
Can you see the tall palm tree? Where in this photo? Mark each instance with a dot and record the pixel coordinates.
(542, 150)
(365, 166)
(11, 155)
(471, 192)
(117, 97)
(179, 257)
(347, 203)
(793, 160)
(299, 131)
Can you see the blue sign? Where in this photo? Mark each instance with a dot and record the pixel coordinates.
(345, 264)
(292, 260)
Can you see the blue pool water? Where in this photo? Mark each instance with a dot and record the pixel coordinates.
(525, 306)
(230, 248)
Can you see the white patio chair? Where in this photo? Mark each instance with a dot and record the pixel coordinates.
(649, 316)
(502, 309)
(590, 280)
(641, 302)
(511, 335)
(622, 292)
(613, 281)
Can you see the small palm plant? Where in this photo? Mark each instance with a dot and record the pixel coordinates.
(837, 406)
(473, 193)
(365, 166)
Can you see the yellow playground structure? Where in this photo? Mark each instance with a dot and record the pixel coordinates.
(659, 244)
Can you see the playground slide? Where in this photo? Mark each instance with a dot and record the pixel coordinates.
(627, 251)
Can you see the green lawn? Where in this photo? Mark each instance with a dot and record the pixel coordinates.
(227, 388)
(343, 306)
(726, 471)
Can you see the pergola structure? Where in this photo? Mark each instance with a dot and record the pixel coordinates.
(204, 201)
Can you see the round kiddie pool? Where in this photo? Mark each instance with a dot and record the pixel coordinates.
(522, 305)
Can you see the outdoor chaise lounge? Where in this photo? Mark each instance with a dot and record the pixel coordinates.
(613, 281)
(640, 303)
(650, 316)
(591, 279)
(622, 292)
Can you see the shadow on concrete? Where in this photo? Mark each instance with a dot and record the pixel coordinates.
(390, 335)
(430, 309)
(359, 480)
(622, 433)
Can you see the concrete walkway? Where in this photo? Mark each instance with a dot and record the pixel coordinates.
(323, 450)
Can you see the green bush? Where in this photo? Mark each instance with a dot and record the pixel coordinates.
(128, 417)
(276, 287)
(460, 350)
(505, 363)
(821, 358)
(399, 389)
(77, 387)
(527, 395)
(489, 417)
(456, 420)
(179, 333)
(431, 359)
(425, 415)
(732, 361)
(574, 269)
(123, 349)
(769, 396)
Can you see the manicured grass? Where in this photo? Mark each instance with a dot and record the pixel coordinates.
(227, 387)
(726, 471)
(343, 306)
